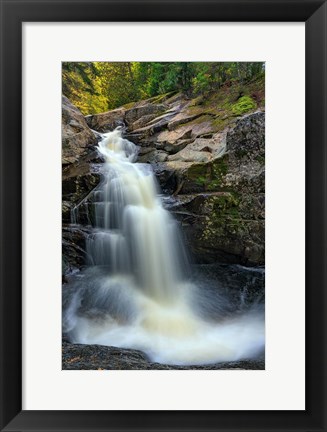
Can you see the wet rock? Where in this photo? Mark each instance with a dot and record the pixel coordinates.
(78, 180)
(153, 156)
(99, 357)
(169, 175)
(245, 286)
(74, 254)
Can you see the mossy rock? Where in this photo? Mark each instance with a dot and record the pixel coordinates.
(129, 105)
(244, 105)
(205, 177)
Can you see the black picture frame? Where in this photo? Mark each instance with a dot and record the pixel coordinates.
(13, 14)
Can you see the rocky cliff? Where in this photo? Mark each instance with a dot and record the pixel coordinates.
(208, 156)
(79, 177)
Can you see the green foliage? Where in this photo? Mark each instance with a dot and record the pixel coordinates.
(243, 105)
(99, 86)
(81, 84)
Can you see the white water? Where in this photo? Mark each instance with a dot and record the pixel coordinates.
(144, 297)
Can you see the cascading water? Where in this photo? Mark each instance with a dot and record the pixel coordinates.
(135, 293)
(135, 236)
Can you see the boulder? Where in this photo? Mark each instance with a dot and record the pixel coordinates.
(143, 109)
(78, 180)
(223, 226)
(77, 138)
(141, 122)
(107, 121)
(74, 254)
(203, 125)
(202, 149)
(142, 134)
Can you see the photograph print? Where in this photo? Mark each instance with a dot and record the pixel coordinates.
(163, 215)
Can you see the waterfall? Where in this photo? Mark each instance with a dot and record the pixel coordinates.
(134, 234)
(135, 293)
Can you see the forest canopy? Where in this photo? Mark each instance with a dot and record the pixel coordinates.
(101, 86)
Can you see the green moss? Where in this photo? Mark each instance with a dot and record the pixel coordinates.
(213, 185)
(201, 181)
(162, 97)
(243, 105)
(197, 101)
(208, 177)
(226, 204)
(219, 169)
(226, 211)
(222, 106)
(220, 124)
(129, 105)
(197, 170)
(224, 216)
(203, 118)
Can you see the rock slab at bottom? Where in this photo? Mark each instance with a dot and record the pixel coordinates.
(98, 357)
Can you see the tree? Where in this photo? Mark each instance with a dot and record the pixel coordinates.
(99, 86)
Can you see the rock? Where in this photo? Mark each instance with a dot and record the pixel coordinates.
(181, 118)
(247, 138)
(143, 109)
(202, 149)
(243, 286)
(188, 155)
(77, 138)
(157, 124)
(141, 122)
(223, 227)
(246, 149)
(153, 156)
(107, 121)
(73, 248)
(169, 175)
(99, 357)
(220, 185)
(79, 177)
(201, 126)
(230, 167)
(78, 180)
